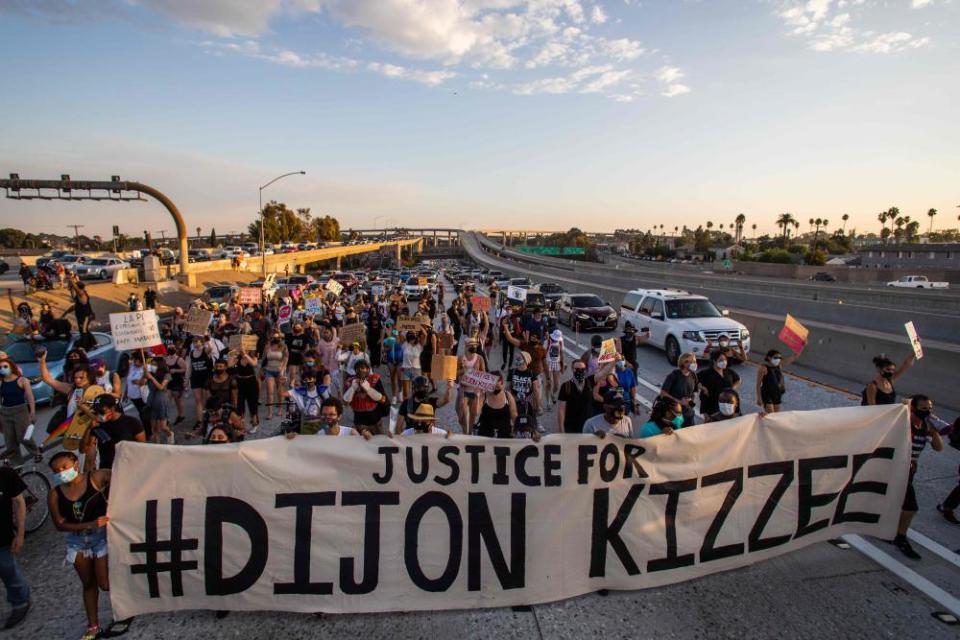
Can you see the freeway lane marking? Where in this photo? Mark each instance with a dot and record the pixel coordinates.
(934, 546)
(914, 579)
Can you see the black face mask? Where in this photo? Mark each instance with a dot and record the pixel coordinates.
(887, 374)
(923, 414)
(420, 395)
(579, 374)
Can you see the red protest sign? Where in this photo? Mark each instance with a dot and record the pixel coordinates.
(480, 303)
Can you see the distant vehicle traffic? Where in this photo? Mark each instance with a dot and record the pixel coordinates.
(823, 276)
(918, 282)
(100, 268)
(585, 311)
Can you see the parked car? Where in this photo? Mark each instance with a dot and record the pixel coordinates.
(680, 322)
(100, 268)
(918, 282)
(413, 289)
(23, 352)
(348, 280)
(585, 311)
(71, 261)
(219, 293)
(823, 276)
(52, 256)
(551, 291)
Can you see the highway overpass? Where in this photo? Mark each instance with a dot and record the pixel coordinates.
(840, 349)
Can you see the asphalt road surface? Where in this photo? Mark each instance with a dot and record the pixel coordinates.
(820, 591)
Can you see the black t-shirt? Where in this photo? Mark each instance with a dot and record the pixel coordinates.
(681, 386)
(521, 384)
(296, 345)
(715, 383)
(108, 434)
(579, 405)
(10, 487)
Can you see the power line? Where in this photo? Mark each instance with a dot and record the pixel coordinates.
(76, 233)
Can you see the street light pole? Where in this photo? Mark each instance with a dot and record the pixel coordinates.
(263, 256)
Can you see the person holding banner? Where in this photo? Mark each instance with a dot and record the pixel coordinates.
(681, 386)
(666, 416)
(423, 421)
(331, 410)
(498, 413)
(420, 395)
(770, 381)
(614, 418)
(921, 430)
(309, 400)
(78, 507)
(728, 406)
(713, 381)
(880, 390)
(575, 400)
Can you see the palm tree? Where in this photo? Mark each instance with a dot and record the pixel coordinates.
(754, 226)
(741, 219)
(785, 220)
(882, 217)
(931, 213)
(812, 222)
(845, 217)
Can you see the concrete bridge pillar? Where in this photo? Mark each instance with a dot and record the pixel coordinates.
(399, 255)
(339, 261)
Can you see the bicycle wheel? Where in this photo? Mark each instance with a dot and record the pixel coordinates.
(38, 486)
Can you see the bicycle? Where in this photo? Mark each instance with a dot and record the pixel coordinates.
(38, 486)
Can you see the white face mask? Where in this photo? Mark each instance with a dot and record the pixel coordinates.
(721, 364)
(727, 409)
(775, 362)
(692, 366)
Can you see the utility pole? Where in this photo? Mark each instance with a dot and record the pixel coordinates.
(76, 234)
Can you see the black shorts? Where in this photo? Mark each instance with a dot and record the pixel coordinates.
(910, 497)
(199, 380)
(367, 418)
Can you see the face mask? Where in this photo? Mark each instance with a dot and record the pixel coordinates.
(471, 349)
(692, 366)
(886, 374)
(621, 365)
(310, 365)
(65, 476)
(677, 422)
(595, 350)
(579, 374)
(330, 421)
(721, 364)
(727, 409)
(923, 414)
(775, 362)
(724, 343)
(617, 413)
(5, 371)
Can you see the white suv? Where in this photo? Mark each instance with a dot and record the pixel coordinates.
(679, 321)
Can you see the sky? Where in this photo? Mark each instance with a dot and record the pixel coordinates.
(545, 114)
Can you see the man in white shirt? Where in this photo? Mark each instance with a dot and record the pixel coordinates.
(331, 410)
(136, 389)
(423, 421)
(613, 419)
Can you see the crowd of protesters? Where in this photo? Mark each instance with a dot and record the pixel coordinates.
(318, 353)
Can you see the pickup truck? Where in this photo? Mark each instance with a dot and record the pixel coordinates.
(918, 282)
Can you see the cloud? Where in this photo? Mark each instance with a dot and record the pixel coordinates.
(836, 25)
(668, 77)
(533, 46)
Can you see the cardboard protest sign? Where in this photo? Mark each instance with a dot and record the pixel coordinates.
(480, 303)
(443, 367)
(573, 515)
(251, 295)
(284, 314)
(246, 342)
(793, 334)
(479, 379)
(608, 351)
(334, 287)
(914, 340)
(313, 304)
(409, 324)
(516, 293)
(446, 341)
(198, 321)
(350, 333)
(135, 330)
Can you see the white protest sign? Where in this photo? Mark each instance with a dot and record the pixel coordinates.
(334, 287)
(914, 340)
(516, 293)
(681, 506)
(135, 330)
(479, 379)
(313, 304)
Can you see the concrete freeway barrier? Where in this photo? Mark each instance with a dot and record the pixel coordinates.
(835, 349)
(803, 300)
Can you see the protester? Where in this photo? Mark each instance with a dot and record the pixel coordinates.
(410, 367)
(112, 426)
(681, 386)
(274, 365)
(420, 394)
(297, 343)
(575, 400)
(468, 397)
(734, 355)
(331, 410)
(554, 358)
(13, 516)
(18, 410)
(222, 383)
(177, 365)
(921, 430)
(614, 418)
(770, 381)
(712, 381)
(423, 421)
(666, 416)
(150, 297)
(628, 342)
(498, 413)
(524, 386)
(78, 507)
(366, 396)
(950, 505)
(200, 365)
(160, 402)
(244, 373)
(880, 390)
(728, 406)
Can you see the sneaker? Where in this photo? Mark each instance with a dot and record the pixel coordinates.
(171, 438)
(901, 543)
(16, 616)
(948, 514)
(91, 633)
(253, 428)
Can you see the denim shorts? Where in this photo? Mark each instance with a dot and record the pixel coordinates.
(410, 374)
(271, 374)
(91, 543)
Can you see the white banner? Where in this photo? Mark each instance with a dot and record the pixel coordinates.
(427, 522)
(135, 330)
(516, 293)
